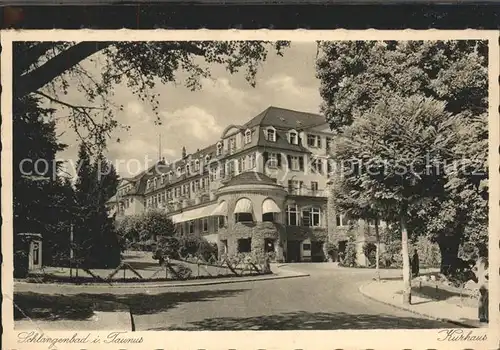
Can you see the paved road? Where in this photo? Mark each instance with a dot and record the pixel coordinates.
(327, 299)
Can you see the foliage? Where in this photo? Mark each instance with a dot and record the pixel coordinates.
(428, 252)
(167, 247)
(331, 249)
(369, 250)
(155, 223)
(42, 197)
(356, 75)
(183, 272)
(350, 257)
(50, 68)
(391, 256)
(95, 239)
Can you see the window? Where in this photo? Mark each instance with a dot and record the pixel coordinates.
(204, 224)
(291, 215)
(253, 160)
(154, 182)
(243, 217)
(177, 191)
(219, 148)
(206, 182)
(243, 164)
(230, 168)
(148, 185)
(272, 161)
(311, 217)
(372, 222)
(232, 144)
(293, 138)
(306, 246)
(179, 173)
(248, 136)
(315, 217)
(268, 217)
(294, 163)
(342, 220)
(207, 158)
(221, 221)
(271, 135)
(170, 175)
(329, 166)
(162, 179)
(314, 141)
(181, 228)
(317, 165)
(196, 165)
(213, 173)
(329, 141)
(244, 245)
(196, 185)
(188, 169)
(314, 186)
(191, 226)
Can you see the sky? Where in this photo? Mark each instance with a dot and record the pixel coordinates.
(196, 119)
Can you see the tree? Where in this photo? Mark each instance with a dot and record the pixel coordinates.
(50, 68)
(96, 240)
(155, 224)
(394, 152)
(356, 75)
(42, 196)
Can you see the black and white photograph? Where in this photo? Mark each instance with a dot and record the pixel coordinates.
(261, 183)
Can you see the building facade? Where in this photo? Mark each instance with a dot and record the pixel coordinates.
(263, 187)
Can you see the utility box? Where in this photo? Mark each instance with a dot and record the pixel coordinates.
(31, 244)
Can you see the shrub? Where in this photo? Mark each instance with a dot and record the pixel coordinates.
(428, 252)
(183, 272)
(392, 256)
(370, 249)
(331, 250)
(350, 258)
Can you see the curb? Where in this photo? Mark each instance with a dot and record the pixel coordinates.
(171, 285)
(404, 308)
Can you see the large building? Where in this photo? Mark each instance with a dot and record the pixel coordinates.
(263, 187)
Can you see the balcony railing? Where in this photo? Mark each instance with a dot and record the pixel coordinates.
(306, 192)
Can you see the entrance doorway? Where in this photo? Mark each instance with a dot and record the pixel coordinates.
(293, 251)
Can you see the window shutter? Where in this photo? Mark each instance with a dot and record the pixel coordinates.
(279, 159)
(266, 157)
(289, 160)
(301, 163)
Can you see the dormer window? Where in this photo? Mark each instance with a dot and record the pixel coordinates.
(248, 136)
(219, 148)
(197, 165)
(293, 137)
(271, 134)
(162, 179)
(148, 184)
(170, 175)
(232, 144)
(207, 158)
(188, 170)
(179, 173)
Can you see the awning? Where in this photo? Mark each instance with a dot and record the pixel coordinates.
(212, 238)
(220, 210)
(193, 214)
(244, 205)
(270, 206)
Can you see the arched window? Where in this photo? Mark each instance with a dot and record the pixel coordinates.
(271, 134)
(207, 158)
(179, 173)
(248, 136)
(243, 211)
(196, 165)
(293, 137)
(219, 148)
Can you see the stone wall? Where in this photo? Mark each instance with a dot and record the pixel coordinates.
(257, 231)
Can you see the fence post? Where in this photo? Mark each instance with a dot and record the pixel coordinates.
(198, 268)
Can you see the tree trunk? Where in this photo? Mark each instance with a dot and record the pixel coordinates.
(406, 259)
(377, 252)
(448, 248)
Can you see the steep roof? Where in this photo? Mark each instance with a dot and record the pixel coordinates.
(251, 178)
(286, 119)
